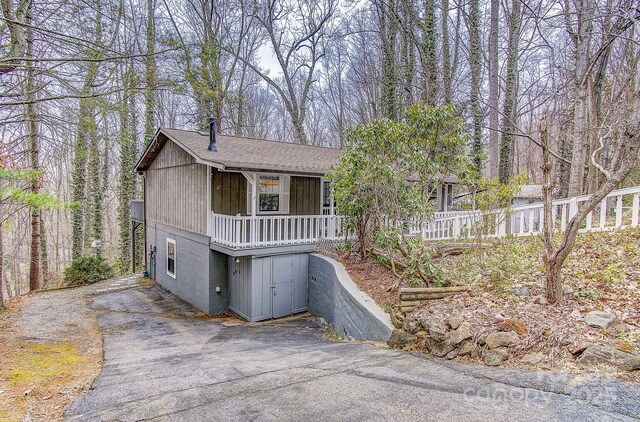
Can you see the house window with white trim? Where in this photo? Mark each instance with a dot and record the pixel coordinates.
(273, 194)
(171, 258)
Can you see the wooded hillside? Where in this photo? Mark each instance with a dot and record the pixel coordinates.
(86, 84)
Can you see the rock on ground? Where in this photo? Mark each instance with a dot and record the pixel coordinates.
(610, 356)
(494, 357)
(599, 319)
(399, 339)
(438, 348)
(462, 333)
(502, 339)
(454, 321)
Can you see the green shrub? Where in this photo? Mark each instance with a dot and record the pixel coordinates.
(86, 269)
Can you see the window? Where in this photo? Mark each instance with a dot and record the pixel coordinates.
(269, 189)
(273, 194)
(326, 193)
(171, 258)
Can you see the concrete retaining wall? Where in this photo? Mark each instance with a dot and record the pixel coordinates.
(336, 298)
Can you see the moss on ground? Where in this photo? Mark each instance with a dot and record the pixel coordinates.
(35, 371)
(43, 362)
(144, 282)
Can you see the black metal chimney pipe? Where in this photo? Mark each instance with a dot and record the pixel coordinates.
(213, 146)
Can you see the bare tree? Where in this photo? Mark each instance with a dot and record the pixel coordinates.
(510, 95)
(581, 36)
(494, 91)
(16, 21)
(624, 158)
(475, 64)
(296, 34)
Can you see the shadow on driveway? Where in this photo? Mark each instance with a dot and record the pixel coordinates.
(164, 360)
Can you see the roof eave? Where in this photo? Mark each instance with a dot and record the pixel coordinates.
(154, 142)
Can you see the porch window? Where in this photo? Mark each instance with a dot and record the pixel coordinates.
(171, 258)
(273, 194)
(326, 194)
(269, 189)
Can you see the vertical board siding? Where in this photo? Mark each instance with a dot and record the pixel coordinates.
(250, 282)
(240, 287)
(176, 190)
(262, 277)
(228, 193)
(304, 197)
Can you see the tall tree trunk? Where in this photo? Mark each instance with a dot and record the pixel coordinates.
(2, 297)
(446, 54)
(240, 103)
(388, 33)
(150, 74)
(86, 125)
(127, 186)
(475, 57)
(407, 53)
(93, 227)
(34, 155)
(563, 168)
(505, 170)
(494, 91)
(428, 56)
(44, 253)
(553, 280)
(582, 86)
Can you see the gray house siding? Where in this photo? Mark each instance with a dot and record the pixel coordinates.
(176, 190)
(304, 196)
(199, 270)
(228, 193)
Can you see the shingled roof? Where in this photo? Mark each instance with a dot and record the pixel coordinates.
(245, 154)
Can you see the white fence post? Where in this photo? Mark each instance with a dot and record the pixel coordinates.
(456, 227)
(619, 211)
(635, 208)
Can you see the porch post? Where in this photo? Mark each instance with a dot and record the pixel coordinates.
(252, 179)
(332, 208)
(439, 197)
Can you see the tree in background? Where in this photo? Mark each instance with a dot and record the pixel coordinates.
(509, 109)
(16, 193)
(625, 156)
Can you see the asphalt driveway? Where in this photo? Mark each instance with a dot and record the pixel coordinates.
(164, 361)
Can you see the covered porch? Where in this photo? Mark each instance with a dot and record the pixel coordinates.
(253, 210)
(250, 232)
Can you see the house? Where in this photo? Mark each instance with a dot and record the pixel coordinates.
(230, 221)
(528, 194)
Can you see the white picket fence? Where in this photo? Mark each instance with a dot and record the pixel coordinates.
(618, 210)
(238, 231)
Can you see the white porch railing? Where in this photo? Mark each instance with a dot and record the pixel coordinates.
(273, 230)
(445, 214)
(618, 210)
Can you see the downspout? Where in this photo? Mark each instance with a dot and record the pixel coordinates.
(144, 217)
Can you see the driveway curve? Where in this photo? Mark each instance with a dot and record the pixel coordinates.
(163, 360)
